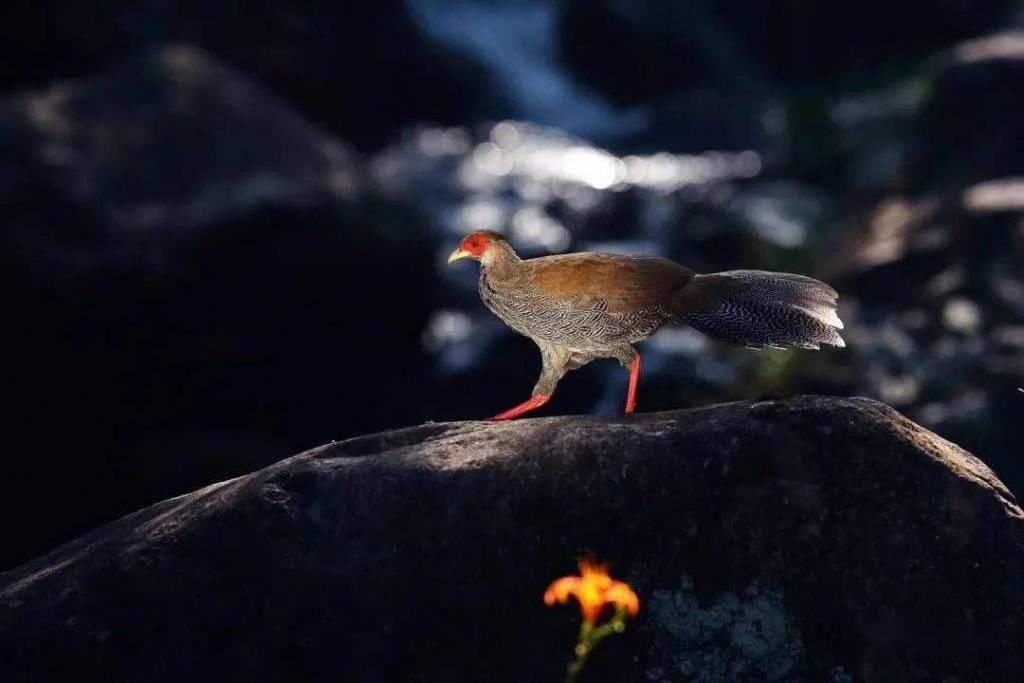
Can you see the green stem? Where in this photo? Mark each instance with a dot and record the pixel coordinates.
(590, 636)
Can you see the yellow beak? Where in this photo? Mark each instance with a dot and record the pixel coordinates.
(457, 254)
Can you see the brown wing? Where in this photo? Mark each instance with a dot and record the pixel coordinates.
(626, 283)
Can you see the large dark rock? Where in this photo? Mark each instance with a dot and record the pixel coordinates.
(165, 143)
(641, 51)
(196, 282)
(812, 539)
(971, 127)
(365, 70)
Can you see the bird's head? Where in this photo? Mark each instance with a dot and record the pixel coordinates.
(482, 245)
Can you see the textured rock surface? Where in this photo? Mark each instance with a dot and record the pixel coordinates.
(811, 539)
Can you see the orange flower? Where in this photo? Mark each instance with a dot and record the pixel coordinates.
(593, 589)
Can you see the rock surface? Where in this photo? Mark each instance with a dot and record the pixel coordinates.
(811, 539)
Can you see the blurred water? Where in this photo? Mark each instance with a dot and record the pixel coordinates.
(530, 180)
(515, 41)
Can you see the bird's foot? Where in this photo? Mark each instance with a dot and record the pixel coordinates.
(524, 407)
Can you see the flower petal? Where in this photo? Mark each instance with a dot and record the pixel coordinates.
(623, 597)
(594, 589)
(561, 589)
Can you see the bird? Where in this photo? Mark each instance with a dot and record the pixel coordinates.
(580, 307)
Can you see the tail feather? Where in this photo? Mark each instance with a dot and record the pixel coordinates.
(757, 308)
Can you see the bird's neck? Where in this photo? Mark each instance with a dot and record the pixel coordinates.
(500, 263)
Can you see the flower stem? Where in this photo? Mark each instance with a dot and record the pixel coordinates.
(590, 636)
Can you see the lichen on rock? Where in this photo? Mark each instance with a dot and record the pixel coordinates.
(745, 634)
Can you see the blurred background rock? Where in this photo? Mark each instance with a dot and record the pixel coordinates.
(223, 225)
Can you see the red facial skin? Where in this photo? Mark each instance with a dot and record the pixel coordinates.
(475, 245)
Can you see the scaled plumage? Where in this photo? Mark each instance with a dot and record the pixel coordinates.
(580, 307)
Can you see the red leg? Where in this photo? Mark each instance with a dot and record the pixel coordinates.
(524, 407)
(634, 379)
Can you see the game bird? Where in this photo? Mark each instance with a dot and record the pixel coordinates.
(581, 307)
